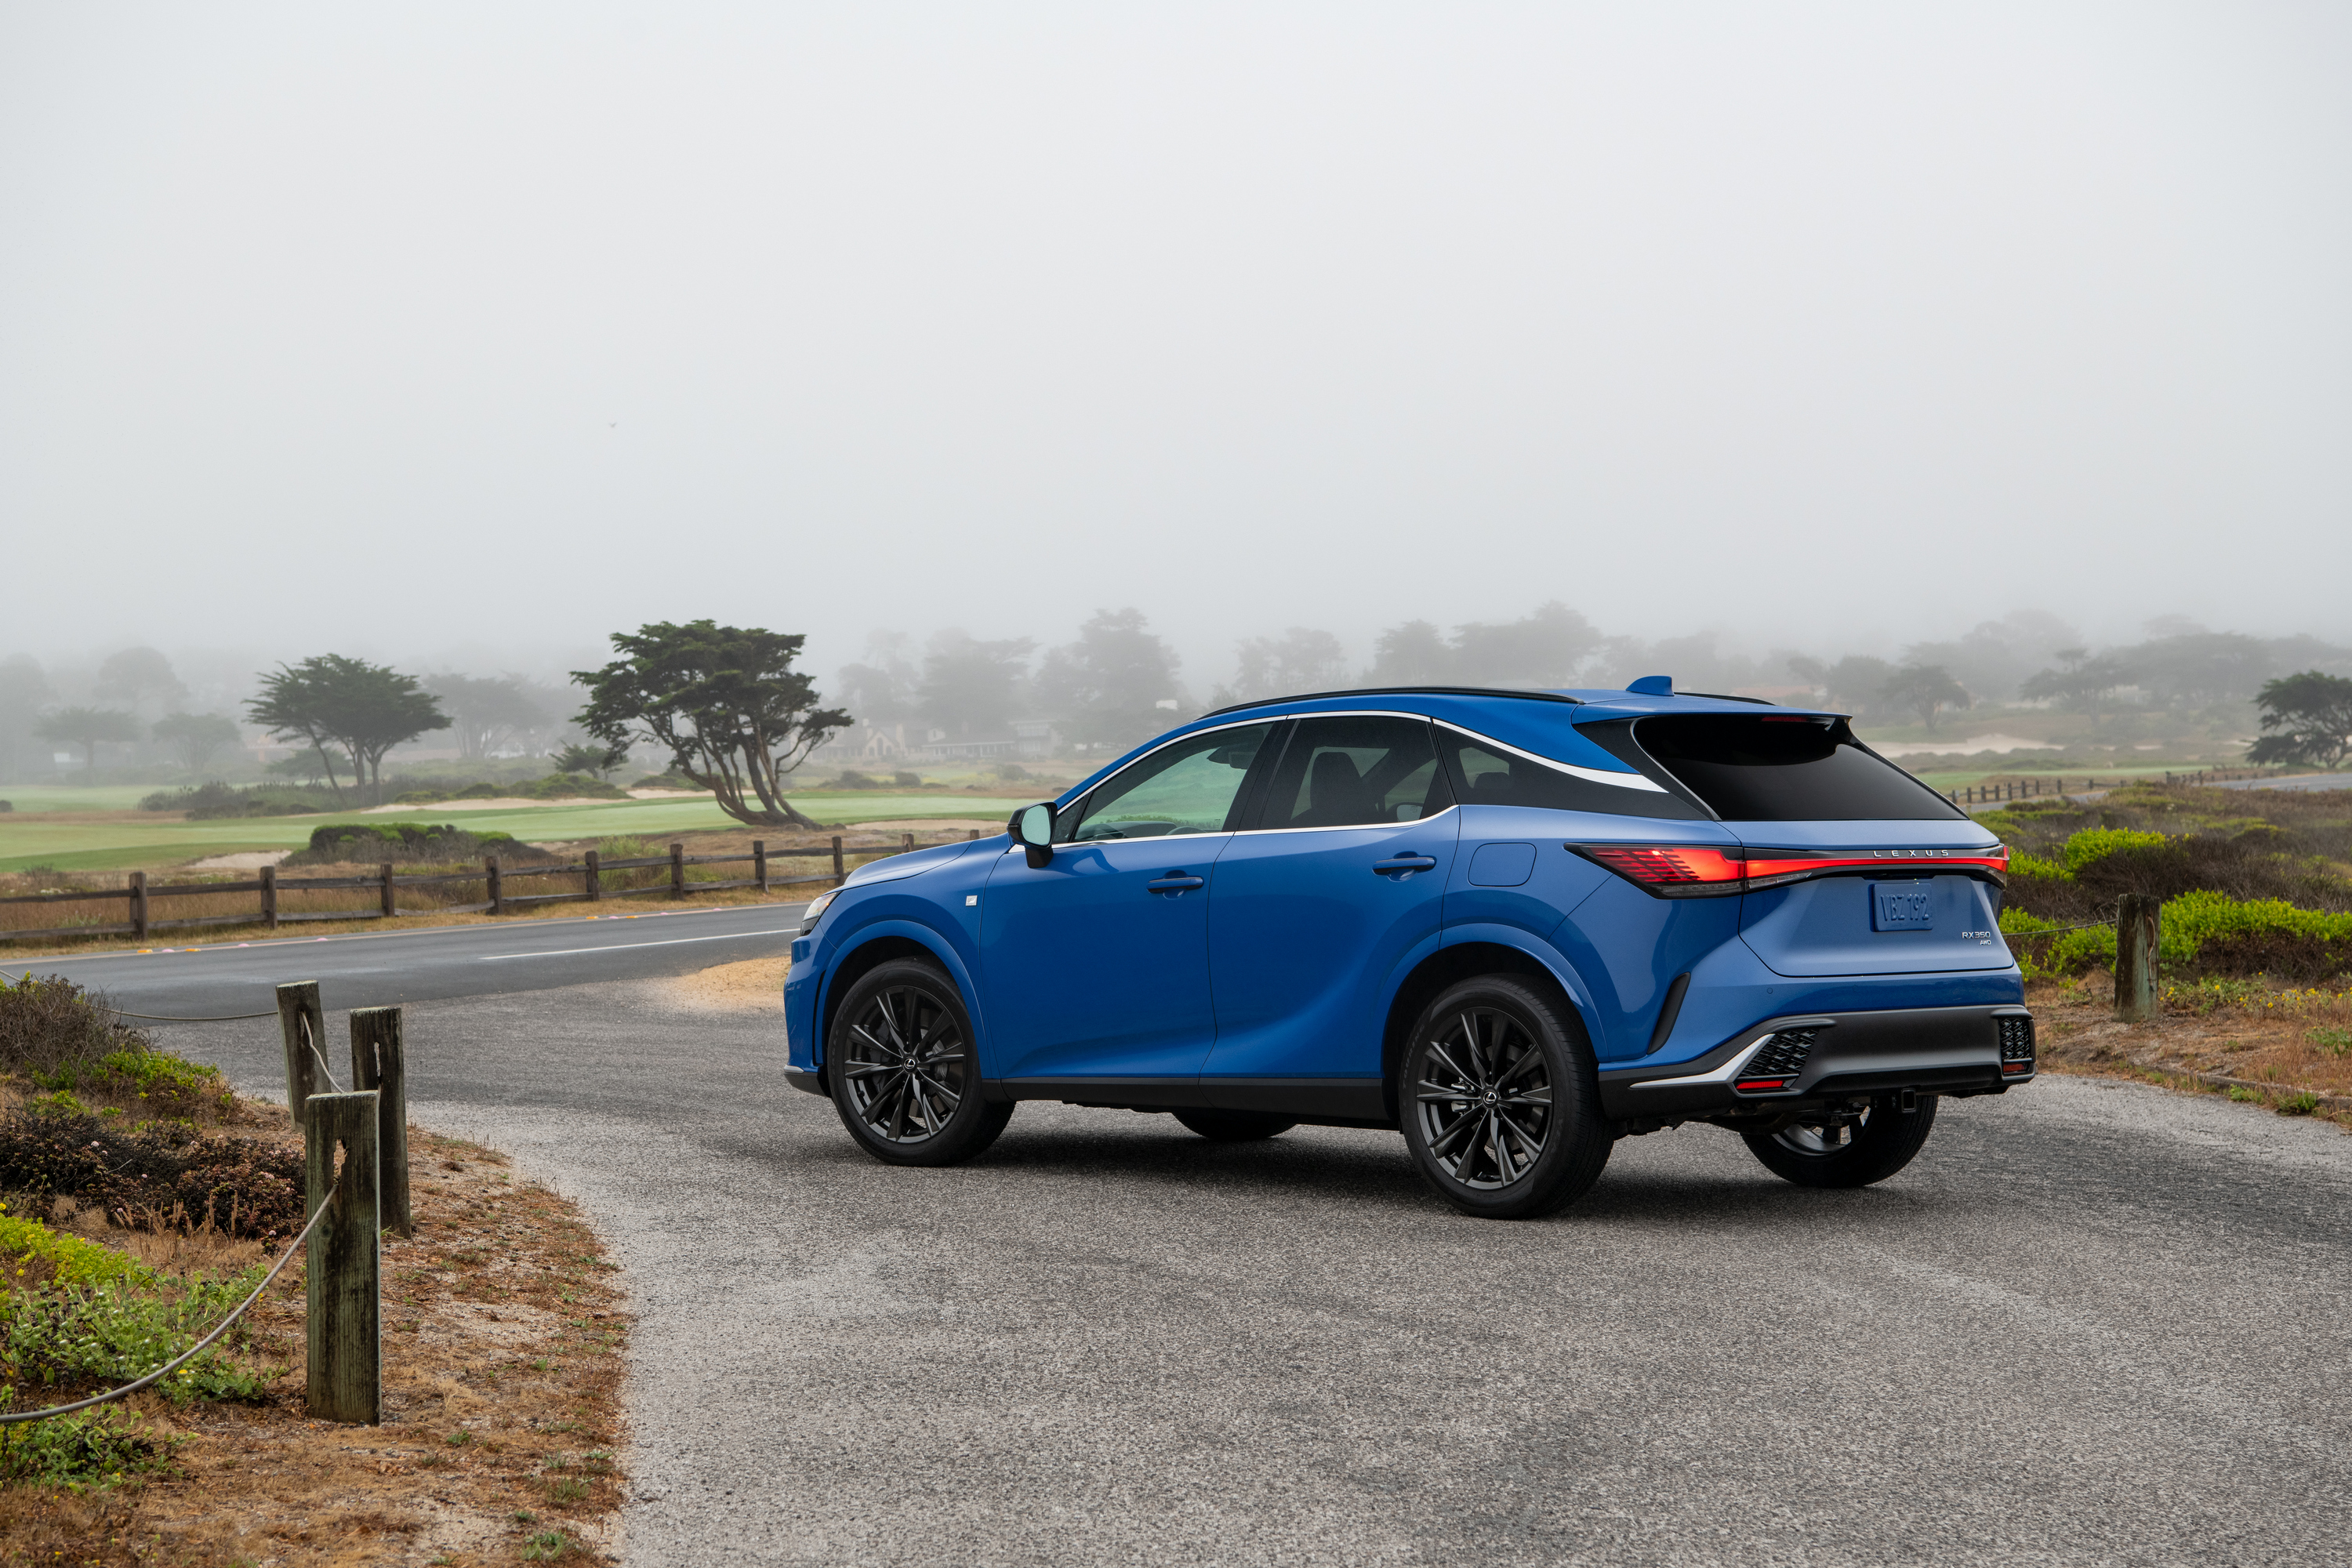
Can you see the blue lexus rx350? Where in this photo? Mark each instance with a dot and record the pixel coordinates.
(1513, 926)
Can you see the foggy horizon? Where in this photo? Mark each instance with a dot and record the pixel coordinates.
(462, 341)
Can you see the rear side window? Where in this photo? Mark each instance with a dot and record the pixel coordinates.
(1485, 776)
(1771, 769)
(1349, 772)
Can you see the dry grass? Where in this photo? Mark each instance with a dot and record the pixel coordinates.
(432, 904)
(2272, 1044)
(502, 1334)
(751, 986)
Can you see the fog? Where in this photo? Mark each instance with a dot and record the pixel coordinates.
(465, 336)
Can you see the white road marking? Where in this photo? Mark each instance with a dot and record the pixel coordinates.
(623, 946)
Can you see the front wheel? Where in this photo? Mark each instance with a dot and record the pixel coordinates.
(904, 1072)
(1499, 1102)
(1852, 1152)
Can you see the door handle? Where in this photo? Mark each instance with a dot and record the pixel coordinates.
(1404, 863)
(1174, 882)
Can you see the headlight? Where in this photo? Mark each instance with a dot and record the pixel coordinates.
(815, 911)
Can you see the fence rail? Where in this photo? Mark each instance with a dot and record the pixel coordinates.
(2027, 787)
(142, 896)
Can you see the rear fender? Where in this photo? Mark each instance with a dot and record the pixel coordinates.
(1455, 955)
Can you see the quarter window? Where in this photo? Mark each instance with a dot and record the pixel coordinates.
(1190, 787)
(1345, 773)
(1485, 776)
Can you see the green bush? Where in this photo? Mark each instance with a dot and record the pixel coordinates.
(2202, 928)
(71, 1259)
(172, 1086)
(61, 1336)
(2094, 844)
(89, 1451)
(216, 801)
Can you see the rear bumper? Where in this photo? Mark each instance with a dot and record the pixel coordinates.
(1791, 1062)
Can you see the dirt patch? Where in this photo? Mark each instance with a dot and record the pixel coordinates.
(502, 1339)
(751, 986)
(2285, 1047)
(243, 860)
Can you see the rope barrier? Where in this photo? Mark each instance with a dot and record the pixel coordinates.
(174, 1018)
(11, 1417)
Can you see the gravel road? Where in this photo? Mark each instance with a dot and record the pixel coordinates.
(2094, 1322)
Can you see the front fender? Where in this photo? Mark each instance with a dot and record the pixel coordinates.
(938, 944)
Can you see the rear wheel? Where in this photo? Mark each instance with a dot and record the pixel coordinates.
(1499, 1102)
(903, 1070)
(1234, 1126)
(1850, 1153)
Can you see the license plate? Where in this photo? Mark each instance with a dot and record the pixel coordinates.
(1900, 906)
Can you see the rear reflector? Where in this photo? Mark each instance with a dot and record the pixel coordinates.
(1696, 871)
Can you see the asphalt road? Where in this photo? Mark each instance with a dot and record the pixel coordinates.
(2093, 1323)
(2297, 780)
(387, 968)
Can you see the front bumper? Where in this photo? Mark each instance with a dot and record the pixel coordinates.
(1818, 1058)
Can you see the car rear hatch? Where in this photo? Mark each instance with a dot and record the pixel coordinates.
(1850, 865)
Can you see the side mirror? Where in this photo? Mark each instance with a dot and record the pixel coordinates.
(1033, 828)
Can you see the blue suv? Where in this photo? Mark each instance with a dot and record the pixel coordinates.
(1515, 926)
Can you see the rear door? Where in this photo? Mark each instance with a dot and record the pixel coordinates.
(1854, 867)
(1344, 873)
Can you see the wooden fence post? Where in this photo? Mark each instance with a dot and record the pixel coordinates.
(139, 905)
(678, 870)
(497, 893)
(345, 1260)
(592, 877)
(304, 1027)
(907, 840)
(2137, 933)
(759, 863)
(839, 876)
(269, 897)
(379, 1062)
(385, 875)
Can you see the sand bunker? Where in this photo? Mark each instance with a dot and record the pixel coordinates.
(243, 860)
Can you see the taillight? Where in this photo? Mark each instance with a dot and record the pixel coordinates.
(1670, 870)
(1696, 872)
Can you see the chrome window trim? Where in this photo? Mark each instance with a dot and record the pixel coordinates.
(1592, 775)
(1351, 826)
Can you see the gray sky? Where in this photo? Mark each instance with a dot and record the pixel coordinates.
(418, 328)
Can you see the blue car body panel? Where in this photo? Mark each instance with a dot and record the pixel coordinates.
(1287, 960)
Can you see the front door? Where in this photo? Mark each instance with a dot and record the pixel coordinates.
(1343, 876)
(1097, 964)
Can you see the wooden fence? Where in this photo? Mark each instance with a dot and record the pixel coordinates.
(2026, 788)
(143, 896)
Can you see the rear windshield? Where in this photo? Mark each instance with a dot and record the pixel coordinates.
(1774, 769)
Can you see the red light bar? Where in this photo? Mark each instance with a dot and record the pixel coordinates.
(1752, 1085)
(1770, 867)
(1699, 871)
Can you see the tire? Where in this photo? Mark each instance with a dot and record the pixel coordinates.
(903, 1070)
(1236, 1126)
(1498, 1100)
(1851, 1155)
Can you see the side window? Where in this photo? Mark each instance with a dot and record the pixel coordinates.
(1190, 787)
(1345, 773)
(1485, 776)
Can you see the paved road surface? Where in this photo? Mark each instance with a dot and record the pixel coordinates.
(2094, 1322)
(2299, 781)
(381, 969)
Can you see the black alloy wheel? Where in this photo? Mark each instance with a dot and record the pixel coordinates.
(903, 1071)
(1849, 1151)
(1236, 1126)
(1498, 1100)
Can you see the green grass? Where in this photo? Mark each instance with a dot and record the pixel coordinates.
(164, 840)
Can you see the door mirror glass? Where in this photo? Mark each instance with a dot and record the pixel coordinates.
(1033, 828)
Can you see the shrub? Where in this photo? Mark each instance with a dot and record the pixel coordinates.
(94, 1450)
(67, 1259)
(2206, 930)
(7, 805)
(665, 781)
(905, 780)
(49, 1022)
(171, 1085)
(61, 1335)
(212, 802)
(2098, 843)
(851, 779)
(157, 1173)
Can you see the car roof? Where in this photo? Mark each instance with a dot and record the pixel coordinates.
(1542, 721)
